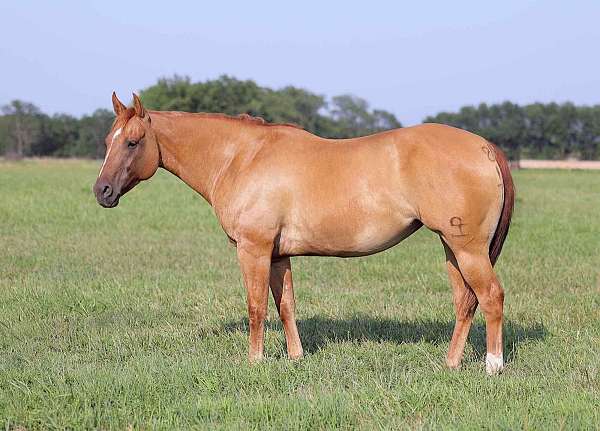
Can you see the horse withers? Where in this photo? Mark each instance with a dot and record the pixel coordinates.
(280, 191)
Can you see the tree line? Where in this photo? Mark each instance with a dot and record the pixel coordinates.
(534, 131)
(548, 131)
(26, 131)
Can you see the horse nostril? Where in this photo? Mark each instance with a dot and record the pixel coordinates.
(106, 191)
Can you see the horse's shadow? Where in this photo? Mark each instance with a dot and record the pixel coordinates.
(318, 331)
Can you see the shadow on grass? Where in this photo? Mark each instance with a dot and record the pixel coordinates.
(316, 332)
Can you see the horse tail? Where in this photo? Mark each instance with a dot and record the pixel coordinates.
(507, 206)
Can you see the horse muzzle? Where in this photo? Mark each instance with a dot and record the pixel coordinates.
(106, 195)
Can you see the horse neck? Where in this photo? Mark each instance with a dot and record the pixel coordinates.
(199, 148)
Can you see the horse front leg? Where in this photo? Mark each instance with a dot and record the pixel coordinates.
(255, 263)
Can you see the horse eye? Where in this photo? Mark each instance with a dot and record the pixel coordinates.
(132, 144)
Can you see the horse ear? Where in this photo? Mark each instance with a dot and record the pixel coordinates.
(139, 108)
(117, 105)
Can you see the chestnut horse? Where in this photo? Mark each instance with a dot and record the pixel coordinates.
(280, 191)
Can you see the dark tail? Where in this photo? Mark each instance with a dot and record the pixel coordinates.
(507, 206)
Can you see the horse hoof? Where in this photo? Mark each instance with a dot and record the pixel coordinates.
(494, 364)
(296, 356)
(255, 358)
(453, 365)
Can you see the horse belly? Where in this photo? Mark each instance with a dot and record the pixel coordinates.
(346, 237)
(348, 208)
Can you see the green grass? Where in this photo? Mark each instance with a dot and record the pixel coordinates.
(137, 316)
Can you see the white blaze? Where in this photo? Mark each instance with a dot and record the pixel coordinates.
(115, 136)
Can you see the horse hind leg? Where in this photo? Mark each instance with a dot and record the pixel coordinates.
(467, 238)
(283, 293)
(465, 304)
(478, 273)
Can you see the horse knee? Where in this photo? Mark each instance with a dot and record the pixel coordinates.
(256, 315)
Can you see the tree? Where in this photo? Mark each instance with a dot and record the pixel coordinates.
(92, 131)
(24, 123)
(354, 118)
(349, 116)
(292, 105)
(4, 133)
(537, 130)
(534, 131)
(352, 115)
(58, 135)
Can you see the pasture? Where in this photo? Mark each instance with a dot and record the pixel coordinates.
(136, 316)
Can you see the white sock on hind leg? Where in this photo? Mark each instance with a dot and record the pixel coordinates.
(494, 364)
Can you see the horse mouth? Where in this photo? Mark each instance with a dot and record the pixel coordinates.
(110, 204)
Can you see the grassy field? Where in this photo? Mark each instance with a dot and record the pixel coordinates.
(136, 316)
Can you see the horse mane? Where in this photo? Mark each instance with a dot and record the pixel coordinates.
(259, 121)
(126, 115)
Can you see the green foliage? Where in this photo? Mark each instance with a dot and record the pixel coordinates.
(5, 140)
(544, 131)
(25, 124)
(354, 119)
(136, 317)
(348, 116)
(92, 131)
(66, 136)
(59, 132)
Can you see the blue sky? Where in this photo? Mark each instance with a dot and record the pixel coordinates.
(411, 58)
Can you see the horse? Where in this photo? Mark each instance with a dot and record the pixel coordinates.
(279, 191)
